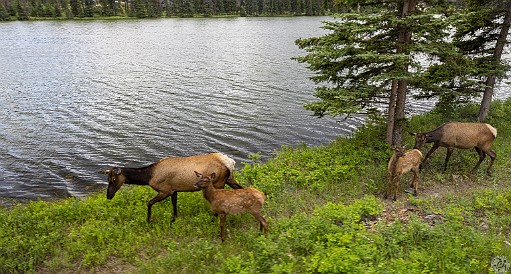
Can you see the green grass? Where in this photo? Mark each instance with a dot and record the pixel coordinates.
(324, 207)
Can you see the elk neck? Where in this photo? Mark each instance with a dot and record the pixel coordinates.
(209, 192)
(138, 176)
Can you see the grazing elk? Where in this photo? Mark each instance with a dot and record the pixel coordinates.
(400, 163)
(232, 201)
(172, 175)
(460, 135)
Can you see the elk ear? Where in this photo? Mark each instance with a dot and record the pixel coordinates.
(212, 176)
(116, 171)
(197, 174)
(106, 171)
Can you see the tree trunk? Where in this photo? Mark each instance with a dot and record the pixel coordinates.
(398, 107)
(497, 57)
(391, 115)
(399, 116)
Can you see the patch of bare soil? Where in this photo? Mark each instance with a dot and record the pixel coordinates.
(448, 185)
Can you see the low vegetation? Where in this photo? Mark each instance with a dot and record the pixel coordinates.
(324, 206)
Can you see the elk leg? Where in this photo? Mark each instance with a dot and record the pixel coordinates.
(222, 226)
(433, 149)
(263, 224)
(160, 197)
(492, 155)
(396, 186)
(447, 156)
(482, 155)
(233, 184)
(415, 181)
(388, 187)
(173, 198)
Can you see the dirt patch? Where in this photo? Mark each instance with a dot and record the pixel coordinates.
(437, 187)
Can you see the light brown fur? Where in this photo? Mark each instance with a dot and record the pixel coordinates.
(176, 173)
(468, 135)
(400, 163)
(479, 136)
(232, 201)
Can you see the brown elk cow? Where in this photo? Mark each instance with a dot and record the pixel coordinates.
(452, 135)
(172, 175)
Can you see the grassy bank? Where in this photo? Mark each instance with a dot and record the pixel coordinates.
(324, 207)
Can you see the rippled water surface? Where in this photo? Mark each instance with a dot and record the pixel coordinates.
(77, 97)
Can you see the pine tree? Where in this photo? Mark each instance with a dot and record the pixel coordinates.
(76, 8)
(482, 33)
(140, 8)
(4, 15)
(372, 59)
(88, 8)
(21, 9)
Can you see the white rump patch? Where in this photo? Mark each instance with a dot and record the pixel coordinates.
(227, 161)
(493, 130)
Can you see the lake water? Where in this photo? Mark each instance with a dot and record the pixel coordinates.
(78, 97)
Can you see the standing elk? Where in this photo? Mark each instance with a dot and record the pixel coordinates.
(400, 163)
(460, 135)
(172, 175)
(231, 201)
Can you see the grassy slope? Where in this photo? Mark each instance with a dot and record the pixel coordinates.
(325, 212)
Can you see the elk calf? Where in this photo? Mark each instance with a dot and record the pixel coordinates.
(227, 201)
(452, 135)
(400, 163)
